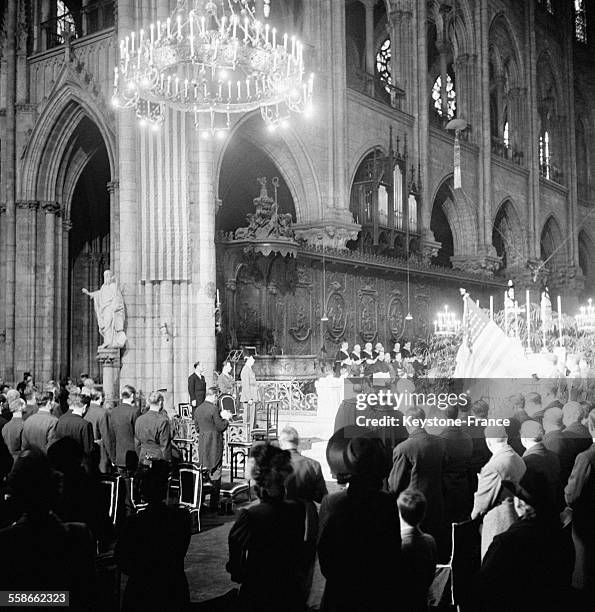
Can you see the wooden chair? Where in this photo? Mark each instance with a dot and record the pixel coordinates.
(191, 489)
(111, 487)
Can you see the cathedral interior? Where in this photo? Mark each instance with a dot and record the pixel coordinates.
(384, 221)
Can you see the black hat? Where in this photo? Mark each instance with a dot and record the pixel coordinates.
(356, 451)
(533, 489)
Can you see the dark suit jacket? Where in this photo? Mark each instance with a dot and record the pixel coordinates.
(540, 460)
(580, 491)
(98, 417)
(580, 438)
(151, 552)
(419, 554)
(562, 444)
(359, 523)
(152, 432)
(197, 389)
(418, 462)
(306, 481)
(266, 547)
(457, 492)
(73, 426)
(121, 428)
(40, 548)
(210, 427)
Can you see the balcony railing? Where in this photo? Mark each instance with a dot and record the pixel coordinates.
(504, 150)
(90, 19)
(373, 86)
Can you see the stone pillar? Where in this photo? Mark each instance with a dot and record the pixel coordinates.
(51, 210)
(370, 55)
(484, 208)
(113, 188)
(9, 226)
(128, 243)
(516, 119)
(532, 152)
(401, 42)
(464, 87)
(202, 227)
(109, 364)
(334, 218)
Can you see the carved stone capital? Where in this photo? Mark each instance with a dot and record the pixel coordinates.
(330, 234)
(108, 357)
(50, 208)
(27, 204)
(113, 186)
(484, 265)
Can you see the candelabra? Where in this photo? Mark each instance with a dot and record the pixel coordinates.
(585, 319)
(447, 323)
(212, 57)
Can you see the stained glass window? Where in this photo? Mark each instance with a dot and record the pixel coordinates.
(451, 97)
(383, 64)
(65, 21)
(506, 135)
(412, 213)
(398, 197)
(580, 21)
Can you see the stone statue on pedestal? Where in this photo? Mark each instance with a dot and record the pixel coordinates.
(109, 308)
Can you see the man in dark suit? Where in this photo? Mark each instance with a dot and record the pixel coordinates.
(306, 482)
(580, 497)
(559, 442)
(197, 387)
(210, 424)
(540, 460)
(97, 415)
(73, 425)
(492, 501)
(458, 497)
(121, 429)
(152, 431)
(580, 438)
(549, 392)
(418, 462)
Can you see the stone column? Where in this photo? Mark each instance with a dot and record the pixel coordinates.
(370, 59)
(464, 87)
(334, 222)
(516, 119)
(202, 227)
(128, 244)
(113, 188)
(109, 364)
(50, 209)
(401, 42)
(9, 226)
(532, 152)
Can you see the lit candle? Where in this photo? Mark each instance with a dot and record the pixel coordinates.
(247, 88)
(161, 81)
(158, 31)
(239, 85)
(220, 89)
(506, 312)
(122, 49)
(202, 26)
(177, 90)
(169, 84)
(235, 25)
(186, 88)
(223, 24)
(491, 307)
(266, 34)
(229, 90)
(140, 41)
(115, 76)
(293, 45)
(132, 42)
(516, 319)
(245, 29)
(179, 20)
(274, 38)
(218, 297)
(191, 39)
(152, 28)
(528, 297)
(285, 42)
(168, 27)
(560, 320)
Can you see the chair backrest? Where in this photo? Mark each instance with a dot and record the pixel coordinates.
(111, 487)
(190, 486)
(226, 402)
(466, 559)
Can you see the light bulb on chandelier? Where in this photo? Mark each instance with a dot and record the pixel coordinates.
(213, 58)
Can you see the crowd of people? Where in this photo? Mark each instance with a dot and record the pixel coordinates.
(521, 498)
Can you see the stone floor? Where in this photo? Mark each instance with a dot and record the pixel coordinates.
(206, 559)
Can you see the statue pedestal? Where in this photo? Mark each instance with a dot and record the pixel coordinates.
(109, 360)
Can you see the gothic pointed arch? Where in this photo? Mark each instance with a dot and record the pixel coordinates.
(586, 261)
(287, 152)
(507, 235)
(552, 246)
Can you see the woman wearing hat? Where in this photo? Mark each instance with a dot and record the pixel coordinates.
(359, 545)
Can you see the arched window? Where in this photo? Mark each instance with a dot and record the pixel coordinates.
(451, 97)
(383, 64)
(506, 135)
(580, 21)
(412, 213)
(65, 21)
(544, 154)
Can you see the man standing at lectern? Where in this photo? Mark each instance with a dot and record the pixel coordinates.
(197, 387)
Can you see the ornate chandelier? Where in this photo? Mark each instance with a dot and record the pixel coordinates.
(447, 323)
(585, 319)
(212, 57)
